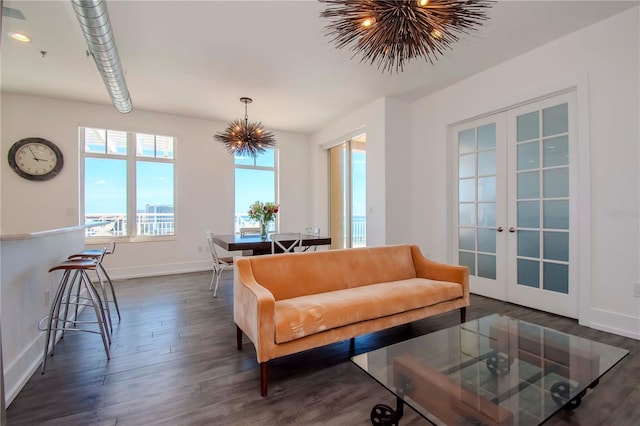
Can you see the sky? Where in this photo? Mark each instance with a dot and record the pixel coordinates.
(105, 185)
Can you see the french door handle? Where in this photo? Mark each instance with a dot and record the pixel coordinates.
(499, 229)
(512, 229)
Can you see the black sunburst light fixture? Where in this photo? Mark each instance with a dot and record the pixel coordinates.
(244, 138)
(393, 32)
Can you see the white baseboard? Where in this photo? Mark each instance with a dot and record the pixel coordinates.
(19, 372)
(612, 322)
(154, 270)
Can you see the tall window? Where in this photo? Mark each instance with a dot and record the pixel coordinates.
(256, 180)
(129, 182)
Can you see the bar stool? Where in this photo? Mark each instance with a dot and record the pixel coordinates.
(59, 318)
(98, 254)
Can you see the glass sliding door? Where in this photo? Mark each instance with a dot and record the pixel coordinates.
(347, 175)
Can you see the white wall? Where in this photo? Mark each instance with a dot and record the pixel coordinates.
(603, 60)
(204, 180)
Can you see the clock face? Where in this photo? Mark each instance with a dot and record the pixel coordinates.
(35, 159)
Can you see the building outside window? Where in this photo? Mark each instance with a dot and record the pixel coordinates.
(255, 180)
(129, 182)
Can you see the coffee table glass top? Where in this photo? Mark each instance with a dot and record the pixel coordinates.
(494, 370)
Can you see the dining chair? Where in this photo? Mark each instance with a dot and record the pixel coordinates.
(219, 264)
(287, 241)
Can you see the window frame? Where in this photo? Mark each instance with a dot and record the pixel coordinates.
(131, 158)
(276, 178)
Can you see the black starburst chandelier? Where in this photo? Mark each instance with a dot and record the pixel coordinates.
(243, 138)
(390, 33)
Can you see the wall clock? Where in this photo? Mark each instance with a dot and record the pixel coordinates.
(35, 159)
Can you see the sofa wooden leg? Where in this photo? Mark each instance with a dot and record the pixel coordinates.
(239, 338)
(463, 314)
(352, 346)
(263, 379)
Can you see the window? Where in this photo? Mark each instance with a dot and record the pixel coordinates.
(255, 181)
(128, 181)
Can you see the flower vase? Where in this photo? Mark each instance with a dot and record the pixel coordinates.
(263, 230)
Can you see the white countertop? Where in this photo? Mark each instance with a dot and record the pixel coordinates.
(40, 234)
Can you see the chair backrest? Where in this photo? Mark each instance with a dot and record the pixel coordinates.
(111, 249)
(212, 247)
(287, 241)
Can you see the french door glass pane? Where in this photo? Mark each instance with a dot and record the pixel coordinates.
(467, 189)
(487, 163)
(529, 155)
(529, 244)
(477, 198)
(486, 240)
(487, 189)
(487, 136)
(556, 214)
(556, 182)
(468, 260)
(555, 120)
(556, 277)
(529, 185)
(486, 214)
(487, 266)
(467, 215)
(528, 126)
(467, 166)
(528, 214)
(528, 273)
(556, 245)
(553, 155)
(467, 141)
(467, 238)
(556, 151)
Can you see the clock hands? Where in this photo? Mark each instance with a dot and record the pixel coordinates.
(34, 155)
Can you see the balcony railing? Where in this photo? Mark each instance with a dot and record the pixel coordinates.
(152, 224)
(147, 224)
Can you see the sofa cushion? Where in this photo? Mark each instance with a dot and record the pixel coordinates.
(292, 275)
(306, 315)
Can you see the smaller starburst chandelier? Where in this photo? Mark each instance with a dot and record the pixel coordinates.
(243, 138)
(392, 32)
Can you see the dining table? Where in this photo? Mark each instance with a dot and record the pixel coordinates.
(254, 244)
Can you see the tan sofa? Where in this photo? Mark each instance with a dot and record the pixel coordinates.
(288, 303)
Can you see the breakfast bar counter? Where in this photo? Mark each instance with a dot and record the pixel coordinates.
(26, 287)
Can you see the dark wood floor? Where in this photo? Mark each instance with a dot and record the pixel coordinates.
(174, 362)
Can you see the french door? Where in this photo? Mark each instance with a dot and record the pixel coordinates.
(514, 181)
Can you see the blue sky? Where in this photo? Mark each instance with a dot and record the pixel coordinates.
(106, 182)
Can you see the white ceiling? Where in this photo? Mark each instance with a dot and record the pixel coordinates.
(197, 58)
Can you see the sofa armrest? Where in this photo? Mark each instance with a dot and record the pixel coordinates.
(253, 309)
(429, 269)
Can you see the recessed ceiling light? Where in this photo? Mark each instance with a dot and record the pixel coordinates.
(20, 37)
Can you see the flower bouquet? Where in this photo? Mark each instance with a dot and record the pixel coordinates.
(263, 213)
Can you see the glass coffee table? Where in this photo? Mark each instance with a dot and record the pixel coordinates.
(494, 370)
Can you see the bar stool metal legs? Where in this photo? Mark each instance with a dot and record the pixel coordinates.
(60, 316)
(99, 254)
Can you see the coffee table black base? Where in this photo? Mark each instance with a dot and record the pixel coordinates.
(383, 415)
